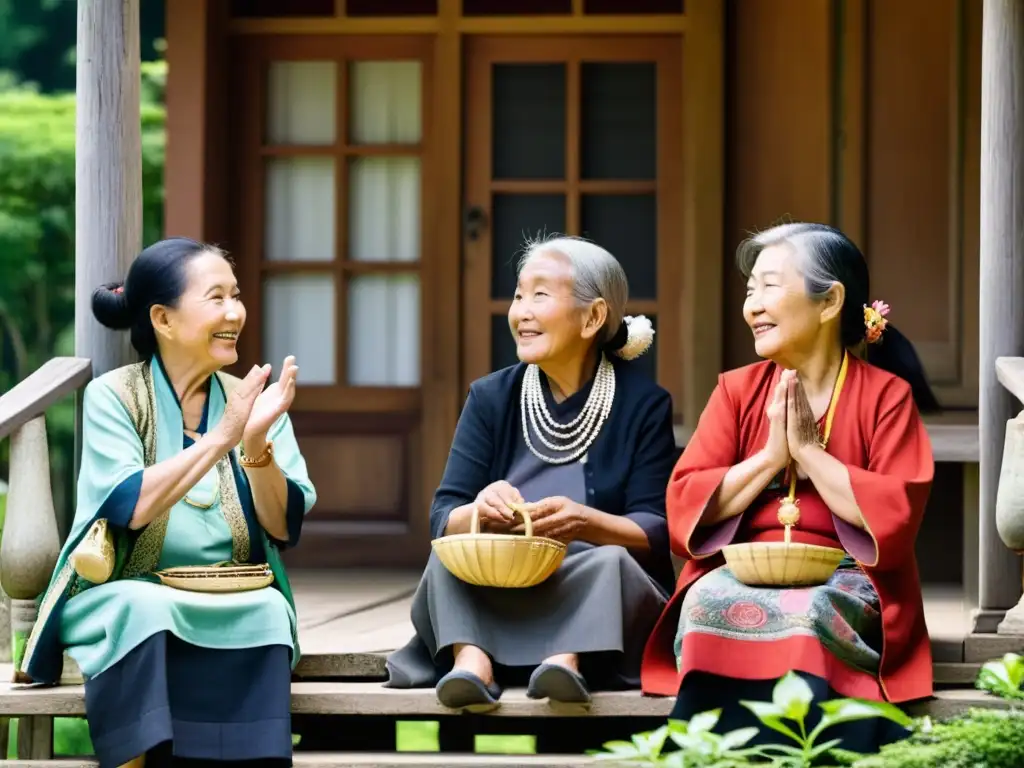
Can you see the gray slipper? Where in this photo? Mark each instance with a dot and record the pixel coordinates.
(563, 688)
(465, 691)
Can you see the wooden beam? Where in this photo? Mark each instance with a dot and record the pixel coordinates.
(703, 97)
(55, 379)
(196, 170)
(359, 699)
(637, 24)
(108, 168)
(1002, 276)
(440, 390)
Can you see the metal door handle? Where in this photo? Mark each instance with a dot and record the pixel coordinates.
(474, 222)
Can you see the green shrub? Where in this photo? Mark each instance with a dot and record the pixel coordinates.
(37, 239)
(982, 738)
(979, 739)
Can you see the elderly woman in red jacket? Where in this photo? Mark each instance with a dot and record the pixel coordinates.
(817, 430)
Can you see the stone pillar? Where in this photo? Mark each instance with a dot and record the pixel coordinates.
(1002, 281)
(108, 168)
(30, 544)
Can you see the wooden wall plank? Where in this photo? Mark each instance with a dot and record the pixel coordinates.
(779, 118)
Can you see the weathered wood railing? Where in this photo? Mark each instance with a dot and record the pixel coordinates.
(31, 539)
(1010, 500)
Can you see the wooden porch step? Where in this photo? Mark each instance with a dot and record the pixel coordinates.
(336, 698)
(375, 760)
(370, 666)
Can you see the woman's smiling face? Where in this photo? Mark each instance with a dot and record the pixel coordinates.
(785, 321)
(545, 317)
(210, 315)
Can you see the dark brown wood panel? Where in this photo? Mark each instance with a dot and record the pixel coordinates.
(779, 151)
(921, 140)
(869, 121)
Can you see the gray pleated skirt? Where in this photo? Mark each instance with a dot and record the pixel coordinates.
(600, 604)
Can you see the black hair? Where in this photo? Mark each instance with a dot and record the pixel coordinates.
(157, 276)
(831, 257)
(618, 339)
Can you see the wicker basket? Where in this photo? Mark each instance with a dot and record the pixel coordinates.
(782, 564)
(217, 578)
(498, 559)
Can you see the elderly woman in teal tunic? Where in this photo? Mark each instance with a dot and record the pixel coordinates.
(182, 466)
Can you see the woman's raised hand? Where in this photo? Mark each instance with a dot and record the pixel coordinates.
(272, 403)
(777, 447)
(239, 406)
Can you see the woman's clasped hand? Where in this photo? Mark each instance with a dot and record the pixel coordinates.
(792, 426)
(555, 517)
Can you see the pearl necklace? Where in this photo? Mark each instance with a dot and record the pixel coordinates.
(576, 437)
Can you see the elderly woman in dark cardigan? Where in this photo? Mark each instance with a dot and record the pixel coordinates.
(585, 441)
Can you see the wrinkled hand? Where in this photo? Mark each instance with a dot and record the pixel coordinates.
(239, 407)
(777, 447)
(556, 517)
(801, 426)
(272, 402)
(492, 505)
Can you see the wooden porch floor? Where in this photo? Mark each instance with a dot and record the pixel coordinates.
(350, 620)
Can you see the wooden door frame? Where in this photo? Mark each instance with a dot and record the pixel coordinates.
(666, 52)
(340, 409)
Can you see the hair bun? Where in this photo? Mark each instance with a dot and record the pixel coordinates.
(639, 337)
(110, 306)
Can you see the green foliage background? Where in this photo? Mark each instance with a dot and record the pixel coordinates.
(37, 238)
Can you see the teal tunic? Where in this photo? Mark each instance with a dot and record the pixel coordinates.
(132, 420)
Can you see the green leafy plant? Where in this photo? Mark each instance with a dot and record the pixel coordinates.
(980, 738)
(698, 746)
(1003, 677)
(786, 713)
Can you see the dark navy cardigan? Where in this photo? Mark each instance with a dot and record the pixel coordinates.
(627, 468)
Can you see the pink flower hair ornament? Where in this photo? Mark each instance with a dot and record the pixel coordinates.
(874, 321)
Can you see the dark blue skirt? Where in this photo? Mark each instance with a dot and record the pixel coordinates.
(178, 703)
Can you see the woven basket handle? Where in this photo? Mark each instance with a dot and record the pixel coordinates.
(474, 521)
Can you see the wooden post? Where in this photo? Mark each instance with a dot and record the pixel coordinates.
(1002, 281)
(108, 176)
(704, 182)
(108, 168)
(30, 541)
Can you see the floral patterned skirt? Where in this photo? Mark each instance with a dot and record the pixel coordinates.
(761, 633)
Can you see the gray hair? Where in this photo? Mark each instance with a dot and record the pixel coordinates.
(596, 275)
(825, 256)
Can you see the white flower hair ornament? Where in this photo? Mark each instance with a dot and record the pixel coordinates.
(639, 337)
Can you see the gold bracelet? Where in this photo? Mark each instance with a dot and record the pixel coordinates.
(260, 461)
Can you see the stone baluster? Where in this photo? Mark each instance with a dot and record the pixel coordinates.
(31, 543)
(1010, 500)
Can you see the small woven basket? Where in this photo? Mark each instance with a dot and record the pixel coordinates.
(499, 559)
(93, 558)
(782, 564)
(217, 578)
